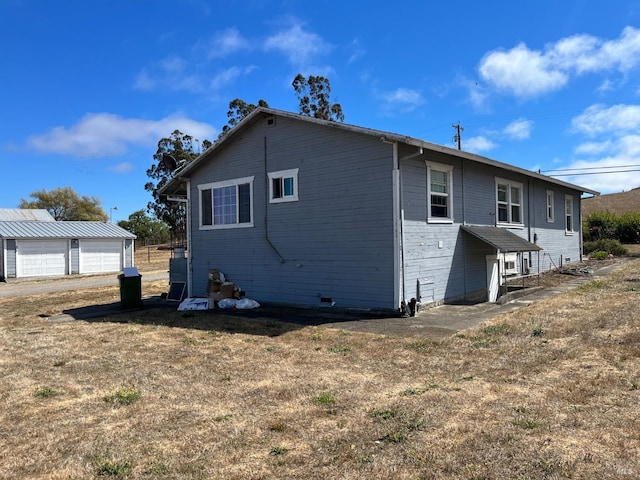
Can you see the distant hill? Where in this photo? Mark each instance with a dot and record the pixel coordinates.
(624, 202)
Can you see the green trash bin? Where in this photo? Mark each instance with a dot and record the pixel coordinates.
(130, 291)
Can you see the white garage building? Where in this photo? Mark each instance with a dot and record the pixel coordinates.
(37, 248)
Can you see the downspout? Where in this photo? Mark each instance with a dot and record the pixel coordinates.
(530, 222)
(189, 249)
(266, 206)
(399, 287)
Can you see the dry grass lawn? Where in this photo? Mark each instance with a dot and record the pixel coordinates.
(549, 391)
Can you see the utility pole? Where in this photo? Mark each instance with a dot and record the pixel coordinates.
(457, 138)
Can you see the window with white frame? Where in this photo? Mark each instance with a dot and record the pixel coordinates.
(439, 194)
(509, 202)
(568, 214)
(227, 204)
(283, 186)
(550, 207)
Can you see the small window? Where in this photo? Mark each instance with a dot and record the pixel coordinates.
(509, 202)
(206, 210)
(550, 208)
(227, 204)
(439, 193)
(568, 214)
(283, 186)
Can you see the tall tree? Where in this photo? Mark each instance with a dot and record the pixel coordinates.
(314, 95)
(147, 229)
(238, 109)
(180, 146)
(65, 204)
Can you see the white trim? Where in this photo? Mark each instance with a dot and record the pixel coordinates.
(551, 208)
(511, 184)
(566, 214)
(448, 169)
(291, 173)
(222, 184)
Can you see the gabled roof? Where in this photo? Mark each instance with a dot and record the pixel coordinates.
(27, 229)
(261, 112)
(501, 239)
(25, 214)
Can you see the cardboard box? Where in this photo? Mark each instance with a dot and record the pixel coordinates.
(226, 289)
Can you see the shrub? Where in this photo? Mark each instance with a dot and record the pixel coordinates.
(610, 246)
(599, 225)
(599, 255)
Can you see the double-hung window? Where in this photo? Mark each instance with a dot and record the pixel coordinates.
(283, 186)
(550, 207)
(509, 202)
(568, 214)
(227, 204)
(439, 193)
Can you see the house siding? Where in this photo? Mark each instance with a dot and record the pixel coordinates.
(442, 263)
(336, 241)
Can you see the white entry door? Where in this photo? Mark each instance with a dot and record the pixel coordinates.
(493, 278)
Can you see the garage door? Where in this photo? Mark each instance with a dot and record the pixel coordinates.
(100, 256)
(36, 258)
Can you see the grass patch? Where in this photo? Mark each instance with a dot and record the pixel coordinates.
(275, 451)
(340, 349)
(113, 468)
(324, 399)
(424, 345)
(123, 396)
(44, 392)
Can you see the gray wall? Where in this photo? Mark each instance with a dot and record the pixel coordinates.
(450, 263)
(11, 259)
(336, 240)
(74, 255)
(128, 253)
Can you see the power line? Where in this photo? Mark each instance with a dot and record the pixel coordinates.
(586, 168)
(594, 173)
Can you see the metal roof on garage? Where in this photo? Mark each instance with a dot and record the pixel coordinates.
(35, 230)
(25, 214)
(501, 239)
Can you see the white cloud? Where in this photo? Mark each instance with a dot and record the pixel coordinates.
(609, 161)
(225, 43)
(593, 148)
(300, 46)
(524, 72)
(357, 51)
(143, 81)
(521, 72)
(519, 129)
(109, 135)
(477, 144)
(401, 100)
(228, 76)
(598, 119)
(124, 167)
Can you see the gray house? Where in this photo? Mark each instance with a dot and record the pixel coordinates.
(302, 211)
(32, 245)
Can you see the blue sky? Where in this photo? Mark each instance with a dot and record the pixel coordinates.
(87, 88)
